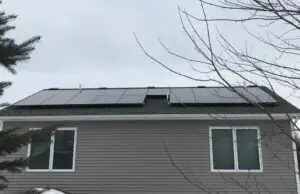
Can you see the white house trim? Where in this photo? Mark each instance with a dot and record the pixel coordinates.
(281, 116)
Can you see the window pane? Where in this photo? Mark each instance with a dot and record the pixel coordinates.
(247, 147)
(63, 149)
(222, 149)
(39, 155)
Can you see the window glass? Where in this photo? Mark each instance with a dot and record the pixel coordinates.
(222, 149)
(247, 148)
(63, 149)
(40, 154)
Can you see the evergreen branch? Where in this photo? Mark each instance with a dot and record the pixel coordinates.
(29, 42)
(14, 166)
(4, 181)
(4, 104)
(5, 29)
(3, 85)
(13, 140)
(3, 186)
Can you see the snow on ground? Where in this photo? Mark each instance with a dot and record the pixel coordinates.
(52, 191)
(48, 191)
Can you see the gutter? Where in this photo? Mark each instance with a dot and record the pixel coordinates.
(145, 117)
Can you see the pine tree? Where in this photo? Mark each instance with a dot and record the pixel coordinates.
(11, 140)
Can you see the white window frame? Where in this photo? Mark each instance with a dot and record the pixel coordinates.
(50, 168)
(235, 153)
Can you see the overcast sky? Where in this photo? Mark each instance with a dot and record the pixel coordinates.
(91, 43)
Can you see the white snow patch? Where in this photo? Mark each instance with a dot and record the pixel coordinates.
(52, 191)
(39, 189)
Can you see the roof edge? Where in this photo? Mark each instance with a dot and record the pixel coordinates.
(145, 117)
(151, 87)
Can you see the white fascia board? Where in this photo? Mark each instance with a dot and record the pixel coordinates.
(282, 116)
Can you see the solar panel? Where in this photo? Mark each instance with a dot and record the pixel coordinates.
(61, 97)
(217, 95)
(132, 96)
(256, 94)
(112, 92)
(182, 95)
(38, 98)
(135, 91)
(220, 95)
(106, 99)
(85, 96)
(138, 95)
(132, 99)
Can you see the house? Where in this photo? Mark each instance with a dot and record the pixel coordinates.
(183, 140)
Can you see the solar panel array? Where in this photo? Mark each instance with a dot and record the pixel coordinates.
(137, 96)
(86, 96)
(219, 95)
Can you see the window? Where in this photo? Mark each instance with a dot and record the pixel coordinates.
(63, 150)
(54, 154)
(40, 154)
(235, 149)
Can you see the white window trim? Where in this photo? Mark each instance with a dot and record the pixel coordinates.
(1, 125)
(235, 154)
(50, 168)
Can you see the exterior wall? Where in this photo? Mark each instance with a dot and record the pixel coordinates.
(129, 157)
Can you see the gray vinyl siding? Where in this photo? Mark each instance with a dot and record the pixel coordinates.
(129, 157)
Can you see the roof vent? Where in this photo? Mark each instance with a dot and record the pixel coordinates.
(80, 88)
(151, 87)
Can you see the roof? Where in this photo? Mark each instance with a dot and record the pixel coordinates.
(147, 100)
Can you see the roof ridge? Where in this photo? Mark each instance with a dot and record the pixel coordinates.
(152, 87)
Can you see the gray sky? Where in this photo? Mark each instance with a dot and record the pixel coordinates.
(91, 43)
